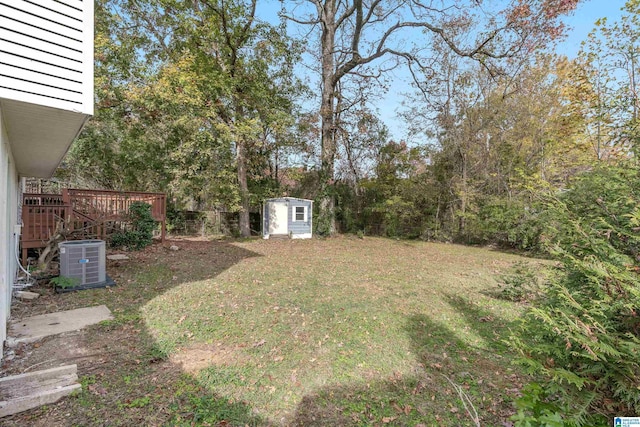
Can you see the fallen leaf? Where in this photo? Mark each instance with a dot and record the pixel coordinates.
(387, 420)
(97, 389)
(418, 388)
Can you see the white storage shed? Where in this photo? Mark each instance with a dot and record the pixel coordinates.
(287, 216)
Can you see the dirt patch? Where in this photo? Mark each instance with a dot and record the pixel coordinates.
(47, 353)
(311, 413)
(195, 358)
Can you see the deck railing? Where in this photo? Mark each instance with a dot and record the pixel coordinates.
(40, 221)
(91, 213)
(113, 205)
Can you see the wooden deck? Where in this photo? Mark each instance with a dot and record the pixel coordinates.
(92, 214)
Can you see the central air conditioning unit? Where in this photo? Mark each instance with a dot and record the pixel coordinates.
(83, 260)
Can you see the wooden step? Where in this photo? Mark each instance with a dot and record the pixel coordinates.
(22, 392)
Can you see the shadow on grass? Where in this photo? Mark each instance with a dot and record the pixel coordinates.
(450, 370)
(127, 379)
(494, 330)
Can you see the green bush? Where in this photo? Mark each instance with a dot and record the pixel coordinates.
(583, 337)
(520, 283)
(65, 282)
(142, 225)
(509, 223)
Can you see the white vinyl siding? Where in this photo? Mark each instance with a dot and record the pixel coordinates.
(46, 53)
(9, 191)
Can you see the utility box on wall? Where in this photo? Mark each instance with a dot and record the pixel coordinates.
(287, 216)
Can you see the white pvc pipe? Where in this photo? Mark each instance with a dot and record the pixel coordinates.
(29, 281)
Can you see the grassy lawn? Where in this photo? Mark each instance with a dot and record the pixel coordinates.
(342, 331)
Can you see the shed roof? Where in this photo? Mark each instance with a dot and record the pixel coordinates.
(288, 198)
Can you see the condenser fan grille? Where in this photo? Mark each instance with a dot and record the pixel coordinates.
(83, 260)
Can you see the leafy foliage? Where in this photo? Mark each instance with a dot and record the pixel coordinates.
(520, 284)
(202, 100)
(507, 223)
(358, 41)
(398, 202)
(141, 233)
(193, 99)
(538, 407)
(65, 282)
(584, 336)
(610, 57)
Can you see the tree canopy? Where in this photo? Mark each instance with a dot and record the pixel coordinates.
(203, 99)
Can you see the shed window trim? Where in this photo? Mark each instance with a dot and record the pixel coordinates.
(296, 212)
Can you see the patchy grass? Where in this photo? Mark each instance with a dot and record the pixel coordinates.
(341, 331)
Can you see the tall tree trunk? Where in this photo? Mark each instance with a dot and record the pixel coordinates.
(326, 219)
(463, 197)
(241, 159)
(241, 162)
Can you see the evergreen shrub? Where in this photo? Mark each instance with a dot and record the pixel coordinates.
(581, 340)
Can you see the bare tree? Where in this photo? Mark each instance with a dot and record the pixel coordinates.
(367, 38)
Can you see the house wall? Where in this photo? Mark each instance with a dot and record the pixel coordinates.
(48, 53)
(46, 97)
(9, 195)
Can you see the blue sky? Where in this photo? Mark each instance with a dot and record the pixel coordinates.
(582, 22)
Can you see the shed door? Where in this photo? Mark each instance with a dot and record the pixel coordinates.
(278, 218)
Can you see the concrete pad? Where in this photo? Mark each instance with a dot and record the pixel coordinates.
(35, 328)
(26, 391)
(117, 257)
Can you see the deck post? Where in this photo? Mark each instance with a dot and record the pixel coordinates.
(164, 217)
(69, 217)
